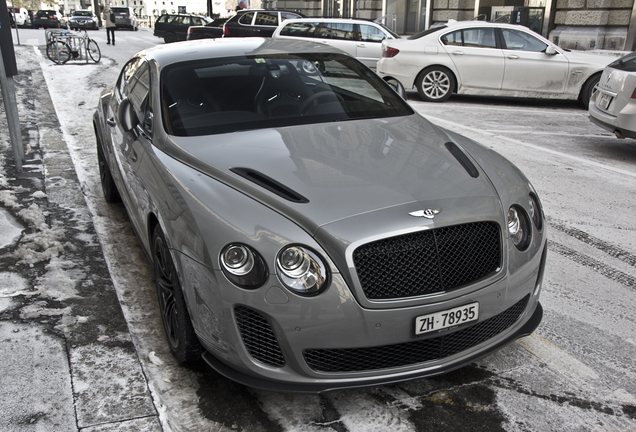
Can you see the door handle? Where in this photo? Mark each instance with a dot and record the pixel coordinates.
(513, 57)
(458, 53)
(361, 45)
(111, 122)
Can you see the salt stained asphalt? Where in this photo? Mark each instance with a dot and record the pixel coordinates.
(67, 361)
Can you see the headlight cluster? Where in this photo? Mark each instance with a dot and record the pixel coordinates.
(520, 223)
(243, 266)
(299, 269)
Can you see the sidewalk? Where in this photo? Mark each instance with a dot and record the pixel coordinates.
(67, 361)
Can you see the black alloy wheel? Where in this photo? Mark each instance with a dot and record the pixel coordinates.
(111, 194)
(182, 339)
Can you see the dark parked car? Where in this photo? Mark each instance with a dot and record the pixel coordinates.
(83, 19)
(211, 30)
(259, 23)
(308, 230)
(45, 18)
(174, 27)
(125, 18)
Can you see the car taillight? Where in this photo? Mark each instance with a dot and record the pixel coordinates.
(634, 94)
(226, 31)
(389, 52)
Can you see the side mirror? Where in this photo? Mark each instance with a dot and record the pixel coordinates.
(550, 50)
(126, 115)
(397, 86)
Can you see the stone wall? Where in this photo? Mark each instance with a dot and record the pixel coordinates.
(592, 24)
(459, 10)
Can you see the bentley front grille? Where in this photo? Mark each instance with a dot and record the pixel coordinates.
(428, 262)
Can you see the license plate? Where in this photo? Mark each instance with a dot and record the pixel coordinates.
(448, 318)
(604, 101)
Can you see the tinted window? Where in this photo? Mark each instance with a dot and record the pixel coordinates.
(182, 20)
(288, 15)
(302, 29)
(369, 33)
(480, 37)
(627, 63)
(246, 18)
(163, 19)
(243, 93)
(453, 38)
(522, 41)
(267, 19)
(83, 13)
(342, 31)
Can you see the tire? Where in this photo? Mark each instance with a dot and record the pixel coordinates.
(588, 89)
(169, 37)
(58, 52)
(93, 51)
(435, 84)
(182, 340)
(109, 188)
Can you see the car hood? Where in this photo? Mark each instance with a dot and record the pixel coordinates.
(599, 61)
(321, 173)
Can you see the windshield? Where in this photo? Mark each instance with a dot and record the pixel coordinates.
(83, 13)
(215, 96)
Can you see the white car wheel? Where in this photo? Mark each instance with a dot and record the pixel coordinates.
(435, 84)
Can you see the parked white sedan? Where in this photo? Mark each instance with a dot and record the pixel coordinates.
(613, 106)
(483, 58)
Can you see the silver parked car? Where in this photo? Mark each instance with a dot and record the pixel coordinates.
(483, 58)
(309, 231)
(361, 39)
(613, 106)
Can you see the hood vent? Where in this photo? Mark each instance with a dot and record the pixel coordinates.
(470, 168)
(270, 184)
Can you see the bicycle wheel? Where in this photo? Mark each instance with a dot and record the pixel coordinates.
(93, 50)
(58, 52)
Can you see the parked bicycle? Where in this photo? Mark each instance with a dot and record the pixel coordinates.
(62, 45)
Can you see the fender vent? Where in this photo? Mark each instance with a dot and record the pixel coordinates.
(270, 184)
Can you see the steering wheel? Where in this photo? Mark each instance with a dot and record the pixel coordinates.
(314, 97)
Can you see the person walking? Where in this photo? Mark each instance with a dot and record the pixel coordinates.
(109, 23)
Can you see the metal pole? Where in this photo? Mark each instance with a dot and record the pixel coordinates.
(11, 108)
(15, 22)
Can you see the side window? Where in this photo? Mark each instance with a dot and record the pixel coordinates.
(182, 20)
(197, 21)
(371, 34)
(522, 41)
(246, 18)
(139, 90)
(480, 37)
(342, 31)
(267, 19)
(162, 19)
(453, 38)
(302, 29)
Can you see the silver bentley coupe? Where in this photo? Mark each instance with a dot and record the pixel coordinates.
(308, 230)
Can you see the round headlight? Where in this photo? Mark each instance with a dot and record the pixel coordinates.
(519, 227)
(535, 212)
(243, 266)
(301, 270)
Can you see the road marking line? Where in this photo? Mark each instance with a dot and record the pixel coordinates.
(532, 146)
(558, 360)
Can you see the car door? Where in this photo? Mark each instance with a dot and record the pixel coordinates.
(369, 44)
(477, 57)
(264, 24)
(338, 34)
(180, 25)
(528, 67)
(133, 87)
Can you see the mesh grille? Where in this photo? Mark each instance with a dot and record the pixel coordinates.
(258, 337)
(428, 262)
(405, 354)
